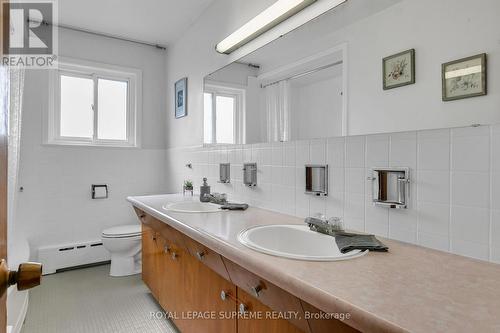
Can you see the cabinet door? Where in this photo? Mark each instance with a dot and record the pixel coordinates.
(149, 257)
(206, 310)
(256, 320)
(171, 279)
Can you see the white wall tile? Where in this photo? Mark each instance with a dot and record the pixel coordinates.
(336, 152)
(495, 229)
(300, 179)
(470, 249)
(434, 150)
(495, 190)
(301, 203)
(377, 219)
(470, 189)
(336, 179)
(433, 219)
(355, 180)
(289, 154)
(318, 152)
(377, 151)
(288, 176)
(289, 200)
(236, 156)
(355, 152)
(433, 186)
(470, 152)
(354, 206)
(437, 242)
(266, 155)
(264, 174)
(458, 220)
(470, 131)
(335, 204)
(495, 138)
(403, 224)
(470, 224)
(302, 151)
(277, 175)
(247, 154)
(354, 224)
(277, 154)
(317, 205)
(403, 150)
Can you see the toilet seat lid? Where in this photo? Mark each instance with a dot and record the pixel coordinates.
(123, 231)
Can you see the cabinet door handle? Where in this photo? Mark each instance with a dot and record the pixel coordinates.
(200, 255)
(256, 290)
(153, 238)
(166, 249)
(242, 308)
(174, 255)
(224, 295)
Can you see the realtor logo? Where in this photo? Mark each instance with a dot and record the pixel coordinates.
(31, 39)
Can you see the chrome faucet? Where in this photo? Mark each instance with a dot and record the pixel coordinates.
(216, 198)
(330, 227)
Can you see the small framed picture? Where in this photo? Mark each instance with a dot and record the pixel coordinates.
(464, 78)
(399, 69)
(181, 98)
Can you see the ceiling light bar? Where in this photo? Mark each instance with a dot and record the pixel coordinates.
(269, 18)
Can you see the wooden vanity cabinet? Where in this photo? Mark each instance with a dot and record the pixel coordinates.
(190, 291)
(187, 279)
(150, 260)
(257, 325)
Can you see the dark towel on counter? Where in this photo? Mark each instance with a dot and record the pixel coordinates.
(234, 206)
(348, 242)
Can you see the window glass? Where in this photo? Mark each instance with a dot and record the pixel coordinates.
(77, 115)
(112, 110)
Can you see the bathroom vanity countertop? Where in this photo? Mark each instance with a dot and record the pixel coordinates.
(410, 288)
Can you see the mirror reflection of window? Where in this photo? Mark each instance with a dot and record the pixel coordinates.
(223, 114)
(207, 121)
(224, 119)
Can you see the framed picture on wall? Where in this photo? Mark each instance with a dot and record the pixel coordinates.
(181, 98)
(464, 78)
(399, 69)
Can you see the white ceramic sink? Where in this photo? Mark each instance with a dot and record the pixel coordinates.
(192, 207)
(295, 242)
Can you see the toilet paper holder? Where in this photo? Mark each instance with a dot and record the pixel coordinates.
(99, 191)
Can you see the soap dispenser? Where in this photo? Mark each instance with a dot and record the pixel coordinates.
(204, 190)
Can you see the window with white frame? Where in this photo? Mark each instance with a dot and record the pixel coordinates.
(94, 104)
(223, 115)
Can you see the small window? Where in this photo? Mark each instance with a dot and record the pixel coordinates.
(94, 104)
(223, 115)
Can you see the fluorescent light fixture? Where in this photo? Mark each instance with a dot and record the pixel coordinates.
(269, 18)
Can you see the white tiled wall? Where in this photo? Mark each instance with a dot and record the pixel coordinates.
(454, 191)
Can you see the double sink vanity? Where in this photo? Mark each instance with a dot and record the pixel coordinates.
(261, 271)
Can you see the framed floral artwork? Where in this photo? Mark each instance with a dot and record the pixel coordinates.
(464, 78)
(399, 69)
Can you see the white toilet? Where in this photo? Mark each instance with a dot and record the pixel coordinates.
(124, 244)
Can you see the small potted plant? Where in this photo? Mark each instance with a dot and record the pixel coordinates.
(188, 187)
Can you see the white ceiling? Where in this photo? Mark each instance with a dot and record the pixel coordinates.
(154, 21)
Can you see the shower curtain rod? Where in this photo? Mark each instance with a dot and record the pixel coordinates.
(296, 76)
(101, 34)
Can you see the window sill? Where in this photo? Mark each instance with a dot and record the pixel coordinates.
(90, 144)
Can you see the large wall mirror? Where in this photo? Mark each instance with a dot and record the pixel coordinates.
(328, 78)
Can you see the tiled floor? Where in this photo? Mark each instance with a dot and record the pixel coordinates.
(88, 300)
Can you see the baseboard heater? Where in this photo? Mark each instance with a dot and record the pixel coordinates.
(66, 256)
